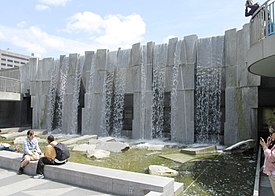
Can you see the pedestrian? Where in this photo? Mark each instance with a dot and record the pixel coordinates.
(31, 151)
(49, 158)
(269, 166)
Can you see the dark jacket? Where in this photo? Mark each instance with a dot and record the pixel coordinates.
(252, 10)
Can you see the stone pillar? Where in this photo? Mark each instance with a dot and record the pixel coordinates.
(39, 89)
(184, 119)
(241, 93)
(67, 117)
(88, 83)
(137, 129)
(97, 91)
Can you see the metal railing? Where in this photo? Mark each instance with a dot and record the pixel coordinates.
(9, 85)
(262, 22)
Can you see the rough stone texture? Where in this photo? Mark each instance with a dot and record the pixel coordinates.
(162, 171)
(184, 119)
(89, 57)
(241, 93)
(171, 51)
(228, 52)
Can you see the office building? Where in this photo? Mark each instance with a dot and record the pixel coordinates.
(10, 59)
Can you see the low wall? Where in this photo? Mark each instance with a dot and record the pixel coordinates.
(106, 180)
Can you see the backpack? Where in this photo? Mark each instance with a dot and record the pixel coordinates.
(62, 152)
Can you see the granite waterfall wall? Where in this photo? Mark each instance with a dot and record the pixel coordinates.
(241, 92)
(239, 87)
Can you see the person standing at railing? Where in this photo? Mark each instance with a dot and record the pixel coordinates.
(252, 8)
(269, 153)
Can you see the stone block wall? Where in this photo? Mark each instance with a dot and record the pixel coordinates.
(238, 85)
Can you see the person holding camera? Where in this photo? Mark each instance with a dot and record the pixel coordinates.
(252, 8)
(269, 153)
(31, 151)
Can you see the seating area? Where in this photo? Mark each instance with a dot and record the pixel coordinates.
(106, 180)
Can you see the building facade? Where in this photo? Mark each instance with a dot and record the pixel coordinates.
(10, 59)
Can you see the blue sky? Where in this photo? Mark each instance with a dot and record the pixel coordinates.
(49, 28)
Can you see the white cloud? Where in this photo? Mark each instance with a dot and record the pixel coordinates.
(111, 32)
(22, 24)
(41, 7)
(34, 40)
(54, 2)
(85, 21)
(87, 31)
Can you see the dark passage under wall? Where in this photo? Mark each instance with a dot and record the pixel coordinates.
(15, 113)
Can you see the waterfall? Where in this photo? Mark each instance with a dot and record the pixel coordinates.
(52, 95)
(78, 72)
(107, 92)
(61, 91)
(119, 92)
(208, 91)
(159, 65)
(175, 75)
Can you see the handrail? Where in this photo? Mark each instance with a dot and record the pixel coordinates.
(9, 85)
(261, 24)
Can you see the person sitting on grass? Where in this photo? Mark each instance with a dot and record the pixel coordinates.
(49, 158)
(31, 151)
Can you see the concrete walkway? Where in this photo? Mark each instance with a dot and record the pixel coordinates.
(23, 185)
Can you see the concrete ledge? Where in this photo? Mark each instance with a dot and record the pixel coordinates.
(106, 180)
(8, 96)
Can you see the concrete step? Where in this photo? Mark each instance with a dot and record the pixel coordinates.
(100, 179)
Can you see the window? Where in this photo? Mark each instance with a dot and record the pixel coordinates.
(10, 60)
(3, 64)
(16, 61)
(9, 65)
(3, 59)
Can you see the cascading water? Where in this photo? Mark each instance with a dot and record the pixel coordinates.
(175, 74)
(120, 81)
(107, 98)
(159, 66)
(75, 104)
(52, 95)
(208, 94)
(61, 92)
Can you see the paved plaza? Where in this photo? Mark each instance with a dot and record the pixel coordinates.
(24, 185)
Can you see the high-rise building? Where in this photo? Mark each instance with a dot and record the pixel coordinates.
(10, 59)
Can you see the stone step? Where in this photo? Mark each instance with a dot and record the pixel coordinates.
(199, 150)
(100, 179)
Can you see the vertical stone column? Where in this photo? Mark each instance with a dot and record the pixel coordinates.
(241, 92)
(135, 67)
(68, 97)
(148, 96)
(39, 89)
(88, 84)
(97, 92)
(184, 120)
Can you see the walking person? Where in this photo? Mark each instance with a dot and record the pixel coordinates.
(31, 151)
(49, 158)
(269, 166)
